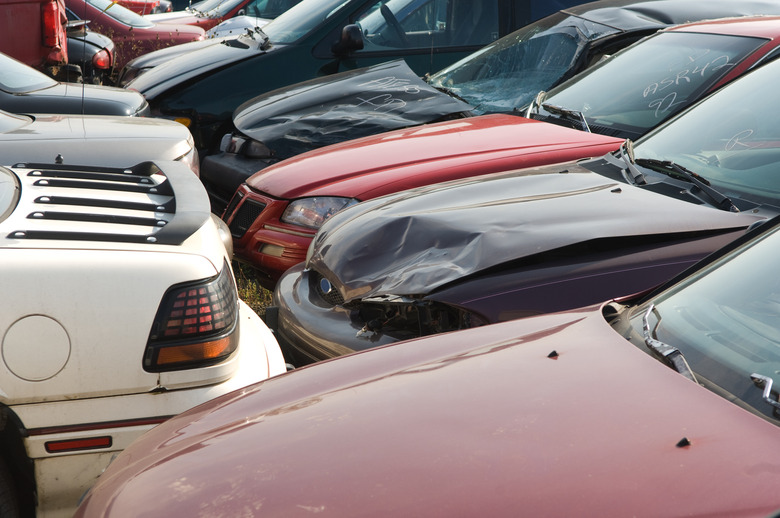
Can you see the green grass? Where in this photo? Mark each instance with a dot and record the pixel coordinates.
(249, 290)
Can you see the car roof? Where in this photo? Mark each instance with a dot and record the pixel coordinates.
(759, 26)
(633, 15)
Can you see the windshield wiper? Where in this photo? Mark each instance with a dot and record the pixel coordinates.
(627, 154)
(671, 354)
(720, 201)
(537, 102)
(452, 94)
(567, 113)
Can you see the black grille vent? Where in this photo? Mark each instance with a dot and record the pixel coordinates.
(328, 292)
(246, 215)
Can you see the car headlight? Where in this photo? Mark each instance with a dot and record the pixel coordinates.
(247, 147)
(191, 159)
(313, 212)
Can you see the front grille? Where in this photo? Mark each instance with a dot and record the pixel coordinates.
(331, 296)
(246, 214)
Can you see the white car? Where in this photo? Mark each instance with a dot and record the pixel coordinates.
(100, 140)
(120, 310)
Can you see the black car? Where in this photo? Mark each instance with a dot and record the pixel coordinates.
(203, 86)
(26, 90)
(504, 77)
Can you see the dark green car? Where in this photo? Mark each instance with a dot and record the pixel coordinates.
(200, 84)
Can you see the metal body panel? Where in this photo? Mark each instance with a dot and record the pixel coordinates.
(398, 431)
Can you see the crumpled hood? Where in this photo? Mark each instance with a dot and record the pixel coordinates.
(397, 431)
(343, 106)
(396, 160)
(175, 64)
(412, 242)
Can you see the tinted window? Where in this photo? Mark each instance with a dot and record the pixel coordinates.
(646, 83)
(16, 77)
(300, 19)
(732, 138)
(422, 24)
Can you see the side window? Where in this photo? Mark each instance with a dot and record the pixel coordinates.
(269, 8)
(422, 24)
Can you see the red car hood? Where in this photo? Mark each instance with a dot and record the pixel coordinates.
(389, 162)
(442, 427)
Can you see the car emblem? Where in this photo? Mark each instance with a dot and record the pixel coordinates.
(325, 286)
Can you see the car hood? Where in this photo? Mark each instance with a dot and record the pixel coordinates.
(81, 98)
(398, 431)
(417, 240)
(173, 65)
(94, 140)
(343, 106)
(396, 160)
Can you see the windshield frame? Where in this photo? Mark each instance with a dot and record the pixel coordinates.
(303, 18)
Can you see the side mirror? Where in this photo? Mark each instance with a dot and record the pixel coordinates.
(241, 12)
(351, 40)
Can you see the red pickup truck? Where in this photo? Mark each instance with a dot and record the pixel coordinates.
(33, 31)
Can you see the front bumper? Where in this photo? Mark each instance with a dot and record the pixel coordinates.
(311, 329)
(63, 477)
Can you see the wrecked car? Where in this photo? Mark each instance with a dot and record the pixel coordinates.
(679, 419)
(476, 251)
(204, 86)
(274, 215)
(502, 78)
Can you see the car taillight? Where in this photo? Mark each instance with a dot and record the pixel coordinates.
(102, 60)
(51, 24)
(196, 325)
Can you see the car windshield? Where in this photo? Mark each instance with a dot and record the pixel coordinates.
(638, 88)
(732, 138)
(120, 14)
(17, 78)
(725, 320)
(508, 73)
(214, 8)
(295, 23)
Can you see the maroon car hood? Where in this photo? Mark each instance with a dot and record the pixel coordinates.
(396, 160)
(441, 427)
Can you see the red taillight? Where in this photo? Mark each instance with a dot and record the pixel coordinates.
(195, 326)
(51, 24)
(102, 60)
